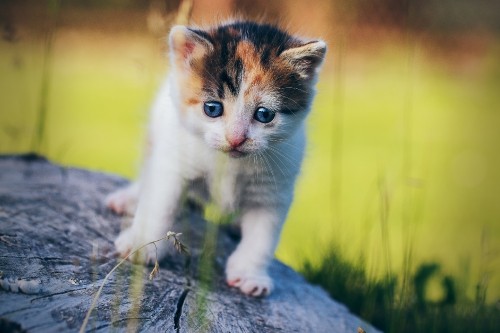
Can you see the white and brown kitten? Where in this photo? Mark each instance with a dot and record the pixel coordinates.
(231, 113)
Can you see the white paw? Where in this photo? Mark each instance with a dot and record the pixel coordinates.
(252, 282)
(129, 240)
(123, 201)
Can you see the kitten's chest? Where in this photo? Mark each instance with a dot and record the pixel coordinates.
(226, 184)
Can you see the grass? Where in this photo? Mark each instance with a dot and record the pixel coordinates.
(400, 170)
(415, 310)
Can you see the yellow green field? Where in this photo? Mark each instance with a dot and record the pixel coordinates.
(403, 160)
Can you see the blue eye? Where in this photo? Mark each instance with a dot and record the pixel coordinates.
(213, 109)
(264, 115)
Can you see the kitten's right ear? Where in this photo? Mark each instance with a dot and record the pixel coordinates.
(187, 46)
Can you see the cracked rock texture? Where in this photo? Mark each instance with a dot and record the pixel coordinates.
(56, 246)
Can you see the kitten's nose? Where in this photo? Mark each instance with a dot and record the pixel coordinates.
(236, 141)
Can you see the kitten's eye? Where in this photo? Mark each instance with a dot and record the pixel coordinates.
(264, 115)
(213, 109)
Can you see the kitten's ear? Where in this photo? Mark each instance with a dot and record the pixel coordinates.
(187, 45)
(306, 58)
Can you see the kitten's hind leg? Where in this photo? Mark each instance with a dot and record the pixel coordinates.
(123, 200)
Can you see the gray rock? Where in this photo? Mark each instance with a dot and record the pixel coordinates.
(56, 246)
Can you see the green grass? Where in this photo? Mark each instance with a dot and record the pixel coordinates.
(381, 302)
(401, 168)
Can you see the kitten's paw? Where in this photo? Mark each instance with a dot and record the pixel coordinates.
(123, 201)
(129, 241)
(251, 280)
(252, 284)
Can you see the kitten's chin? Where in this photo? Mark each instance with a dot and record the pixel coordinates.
(236, 153)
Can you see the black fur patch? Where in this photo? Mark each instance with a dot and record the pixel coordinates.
(223, 71)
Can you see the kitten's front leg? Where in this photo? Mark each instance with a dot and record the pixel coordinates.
(156, 210)
(124, 200)
(246, 268)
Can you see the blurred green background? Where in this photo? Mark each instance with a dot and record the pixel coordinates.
(403, 161)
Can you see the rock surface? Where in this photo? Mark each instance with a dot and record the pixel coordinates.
(56, 246)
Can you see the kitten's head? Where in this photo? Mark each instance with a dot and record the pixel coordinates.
(243, 86)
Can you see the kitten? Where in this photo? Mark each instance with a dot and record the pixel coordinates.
(231, 113)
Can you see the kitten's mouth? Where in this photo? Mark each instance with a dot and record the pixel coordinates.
(234, 153)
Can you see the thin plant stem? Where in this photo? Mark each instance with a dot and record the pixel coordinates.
(96, 297)
(39, 136)
(337, 133)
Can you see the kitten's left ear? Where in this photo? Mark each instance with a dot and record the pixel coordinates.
(187, 45)
(306, 58)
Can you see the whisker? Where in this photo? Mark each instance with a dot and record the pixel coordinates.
(280, 153)
(294, 101)
(270, 169)
(271, 154)
(294, 88)
(285, 142)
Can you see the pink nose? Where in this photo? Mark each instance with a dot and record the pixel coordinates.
(236, 141)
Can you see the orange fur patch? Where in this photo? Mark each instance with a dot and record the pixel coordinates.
(190, 90)
(192, 101)
(248, 55)
(255, 75)
(257, 79)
